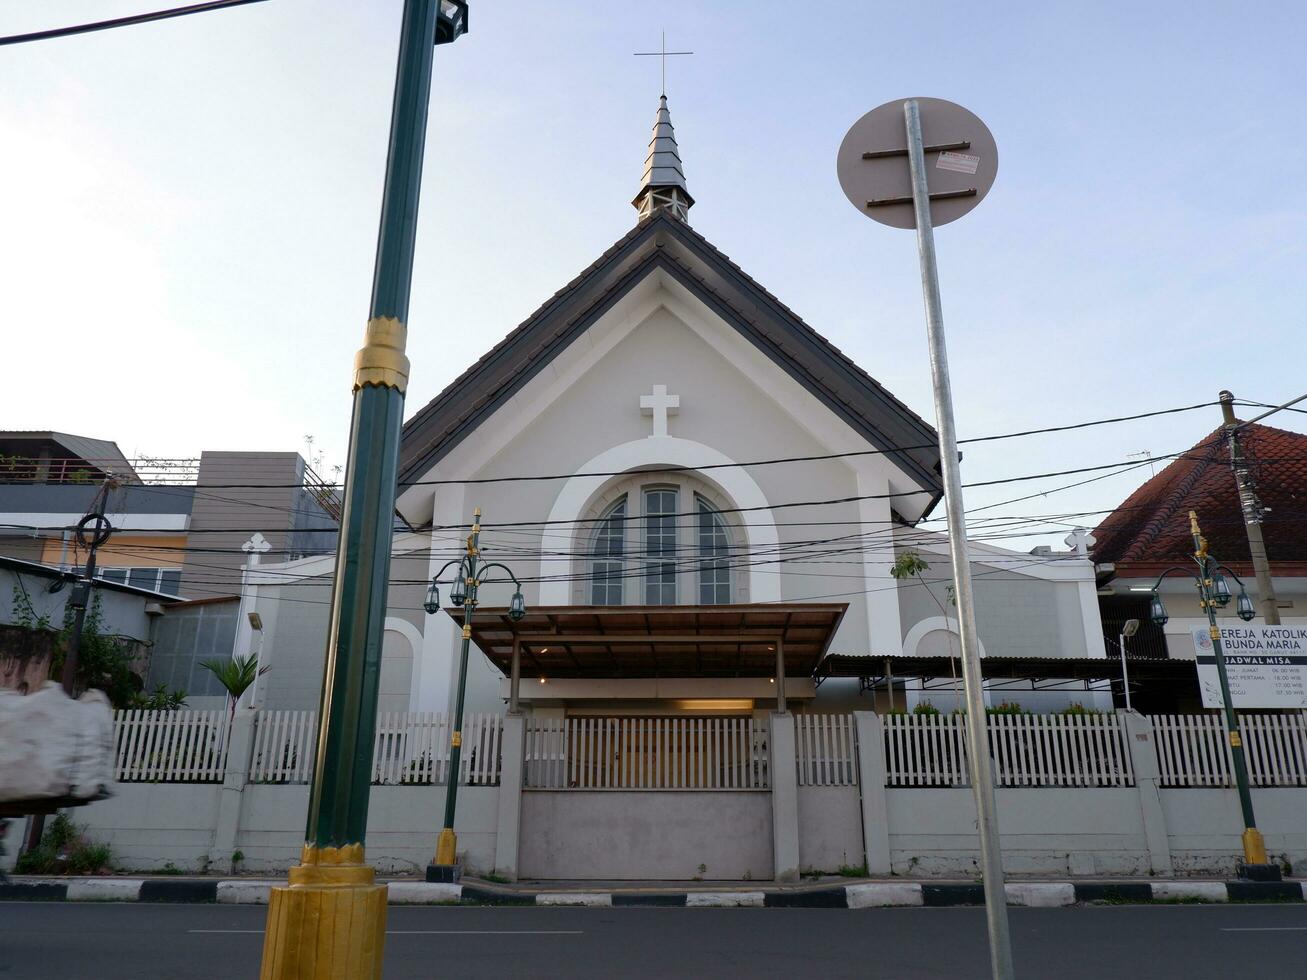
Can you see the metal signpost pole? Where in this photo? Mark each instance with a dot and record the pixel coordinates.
(872, 175)
(991, 859)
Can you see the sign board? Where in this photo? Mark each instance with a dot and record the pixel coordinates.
(960, 155)
(1266, 665)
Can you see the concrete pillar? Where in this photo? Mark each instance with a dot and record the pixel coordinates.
(509, 829)
(240, 751)
(871, 782)
(1141, 744)
(784, 798)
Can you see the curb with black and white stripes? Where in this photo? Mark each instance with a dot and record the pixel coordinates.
(1035, 894)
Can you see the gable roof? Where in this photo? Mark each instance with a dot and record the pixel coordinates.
(661, 242)
(1152, 525)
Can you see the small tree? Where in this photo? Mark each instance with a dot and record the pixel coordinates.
(235, 675)
(910, 564)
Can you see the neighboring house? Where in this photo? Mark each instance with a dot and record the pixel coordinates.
(30, 591)
(646, 390)
(1150, 532)
(178, 528)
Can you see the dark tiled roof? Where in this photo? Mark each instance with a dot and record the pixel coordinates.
(1152, 525)
(659, 241)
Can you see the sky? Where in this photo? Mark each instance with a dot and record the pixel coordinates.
(190, 208)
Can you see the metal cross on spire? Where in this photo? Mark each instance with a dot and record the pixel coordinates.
(663, 54)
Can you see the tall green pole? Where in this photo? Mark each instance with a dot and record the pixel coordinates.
(1254, 846)
(331, 919)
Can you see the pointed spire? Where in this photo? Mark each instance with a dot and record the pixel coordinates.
(663, 186)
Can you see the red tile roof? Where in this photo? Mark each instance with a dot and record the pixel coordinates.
(1152, 525)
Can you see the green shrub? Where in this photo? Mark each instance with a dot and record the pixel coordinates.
(64, 848)
(1076, 708)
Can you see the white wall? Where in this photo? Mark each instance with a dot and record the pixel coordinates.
(654, 835)
(830, 828)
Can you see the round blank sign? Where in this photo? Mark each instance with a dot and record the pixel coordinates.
(961, 162)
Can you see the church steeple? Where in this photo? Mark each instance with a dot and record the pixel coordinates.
(663, 186)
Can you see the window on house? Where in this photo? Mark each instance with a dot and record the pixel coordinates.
(714, 555)
(607, 553)
(660, 546)
(166, 580)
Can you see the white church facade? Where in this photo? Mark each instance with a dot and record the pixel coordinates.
(665, 451)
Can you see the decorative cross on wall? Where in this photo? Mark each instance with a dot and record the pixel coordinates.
(1081, 540)
(659, 405)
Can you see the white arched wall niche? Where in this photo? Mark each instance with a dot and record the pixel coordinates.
(577, 493)
(413, 636)
(941, 624)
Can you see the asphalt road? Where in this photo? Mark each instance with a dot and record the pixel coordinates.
(47, 941)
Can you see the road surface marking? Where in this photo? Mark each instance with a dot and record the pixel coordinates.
(420, 932)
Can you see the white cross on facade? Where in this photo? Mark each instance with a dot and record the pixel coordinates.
(1081, 540)
(659, 405)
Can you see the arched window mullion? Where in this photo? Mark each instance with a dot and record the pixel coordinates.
(714, 549)
(608, 556)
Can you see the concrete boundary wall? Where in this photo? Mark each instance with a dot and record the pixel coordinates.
(669, 834)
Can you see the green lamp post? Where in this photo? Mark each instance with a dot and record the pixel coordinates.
(1213, 594)
(330, 920)
(468, 578)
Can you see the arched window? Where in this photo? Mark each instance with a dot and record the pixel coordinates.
(607, 553)
(660, 546)
(674, 537)
(714, 555)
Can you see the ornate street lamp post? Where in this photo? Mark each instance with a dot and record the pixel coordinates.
(330, 921)
(469, 577)
(1213, 594)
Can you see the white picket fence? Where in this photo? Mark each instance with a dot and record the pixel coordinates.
(409, 749)
(718, 753)
(626, 753)
(1025, 750)
(1194, 750)
(826, 750)
(170, 746)
(415, 748)
(284, 746)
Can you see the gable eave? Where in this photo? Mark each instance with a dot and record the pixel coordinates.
(833, 378)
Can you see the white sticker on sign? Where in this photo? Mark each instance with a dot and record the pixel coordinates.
(963, 163)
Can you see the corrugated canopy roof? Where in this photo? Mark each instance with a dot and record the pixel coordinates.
(658, 641)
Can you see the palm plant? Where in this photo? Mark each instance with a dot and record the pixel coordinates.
(235, 675)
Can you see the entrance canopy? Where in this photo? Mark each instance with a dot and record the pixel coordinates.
(659, 641)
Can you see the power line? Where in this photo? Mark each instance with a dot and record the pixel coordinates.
(821, 457)
(132, 20)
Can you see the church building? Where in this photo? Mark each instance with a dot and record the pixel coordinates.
(704, 501)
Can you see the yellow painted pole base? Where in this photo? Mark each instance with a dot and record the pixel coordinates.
(446, 847)
(329, 923)
(1254, 847)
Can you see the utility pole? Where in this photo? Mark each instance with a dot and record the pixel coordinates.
(330, 921)
(1252, 513)
(93, 530)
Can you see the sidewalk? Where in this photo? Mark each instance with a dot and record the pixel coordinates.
(841, 893)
